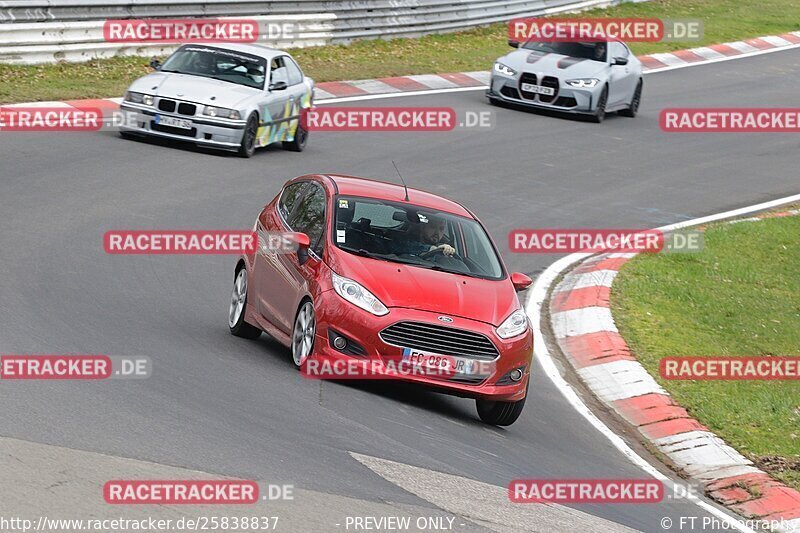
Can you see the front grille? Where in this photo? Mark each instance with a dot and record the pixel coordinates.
(175, 131)
(549, 81)
(187, 109)
(527, 78)
(440, 340)
(183, 107)
(509, 92)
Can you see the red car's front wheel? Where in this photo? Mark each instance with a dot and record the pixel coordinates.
(305, 329)
(500, 413)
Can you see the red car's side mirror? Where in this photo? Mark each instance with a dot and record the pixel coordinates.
(520, 281)
(303, 242)
(301, 239)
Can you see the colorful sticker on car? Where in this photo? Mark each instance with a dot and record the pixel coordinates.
(275, 129)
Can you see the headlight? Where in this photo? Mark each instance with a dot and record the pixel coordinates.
(138, 98)
(514, 325)
(221, 112)
(583, 83)
(502, 69)
(357, 295)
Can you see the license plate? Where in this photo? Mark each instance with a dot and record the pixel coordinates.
(181, 123)
(438, 362)
(530, 88)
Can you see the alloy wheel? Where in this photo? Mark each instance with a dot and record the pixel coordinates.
(303, 334)
(238, 296)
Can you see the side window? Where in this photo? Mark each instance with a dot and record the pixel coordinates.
(618, 50)
(294, 73)
(289, 198)
(278, 71)
(309, 217)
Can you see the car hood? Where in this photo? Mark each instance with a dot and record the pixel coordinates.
(399, 285)
(555, 64)
(194, 89)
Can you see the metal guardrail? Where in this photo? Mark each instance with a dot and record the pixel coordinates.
(43, 31)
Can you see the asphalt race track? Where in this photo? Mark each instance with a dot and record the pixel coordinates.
(228, 406)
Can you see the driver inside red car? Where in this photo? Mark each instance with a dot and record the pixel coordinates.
(427, 238)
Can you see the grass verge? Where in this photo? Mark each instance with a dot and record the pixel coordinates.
(740, 296)
(476, 49)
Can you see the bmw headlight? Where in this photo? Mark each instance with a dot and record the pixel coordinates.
(138, 98)
(221, 112)
(357, 295)
(514, 325)
(583, 83)
(502, 69)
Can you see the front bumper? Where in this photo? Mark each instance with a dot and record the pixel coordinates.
(568, 99)
(363, 329)
(206, 131)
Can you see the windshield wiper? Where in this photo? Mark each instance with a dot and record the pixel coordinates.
(360, 251)
(440, 268)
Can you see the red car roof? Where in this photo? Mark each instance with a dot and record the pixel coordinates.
(353, 186)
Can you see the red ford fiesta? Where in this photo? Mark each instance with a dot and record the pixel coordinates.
(382, 276)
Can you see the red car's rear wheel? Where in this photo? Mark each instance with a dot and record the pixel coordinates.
(237, 309)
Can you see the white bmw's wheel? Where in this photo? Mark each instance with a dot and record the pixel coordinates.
(305, 329)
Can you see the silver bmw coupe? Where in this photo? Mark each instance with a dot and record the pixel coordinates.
(235, 97)
(589, 78)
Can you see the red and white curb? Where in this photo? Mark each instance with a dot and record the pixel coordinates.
(584, 329)
(422, 83)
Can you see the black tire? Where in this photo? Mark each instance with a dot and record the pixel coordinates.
(600, 113)
(248, 146)
(305, 321)
(299, 142)
(500, 413)
(238, 326)
(636, 100)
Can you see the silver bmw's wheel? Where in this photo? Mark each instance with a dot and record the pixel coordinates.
(600, 112)
(237, 298)
(303, 335)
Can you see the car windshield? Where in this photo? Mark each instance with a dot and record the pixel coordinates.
(594, 51)
(414, 235)
(219, 64)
